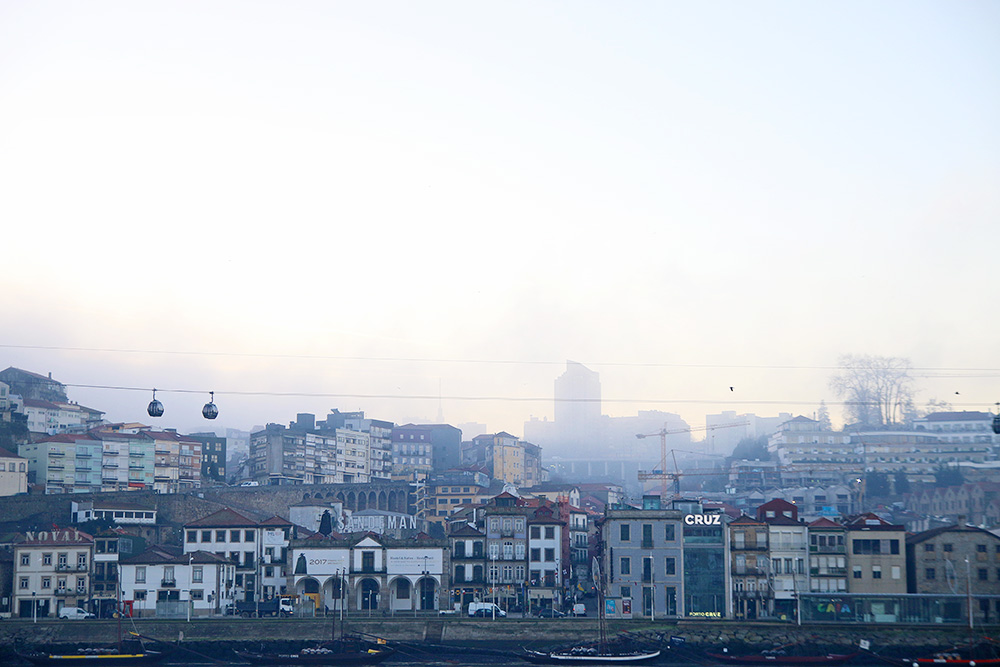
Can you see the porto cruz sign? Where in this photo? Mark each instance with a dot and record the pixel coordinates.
(703, 519)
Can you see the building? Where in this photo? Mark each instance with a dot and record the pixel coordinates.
(956, 560)
(505, 518)
(13, 474)
(876, 555)
(643, 564)
(301, 454)
(447, 491)
(811, 455)
(52, 570)
(425, 448)
(162, 581)
(213, 457)
(726, 429)
(506, 458)
(750, 567)
(546, 558)
(468, 565)
(33, 385)
(109, 547)
(257, 550)
(380, 438)
(788, 542)
(970, 427)
(827, 556)
(371, 573)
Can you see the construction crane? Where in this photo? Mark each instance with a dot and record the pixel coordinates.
(661, 473)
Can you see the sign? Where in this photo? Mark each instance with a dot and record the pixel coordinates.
(414, 561)
(380, 523)
(703, 519)
(609, 608)
(324, 561)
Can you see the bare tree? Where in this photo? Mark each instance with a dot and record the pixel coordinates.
(875, 390)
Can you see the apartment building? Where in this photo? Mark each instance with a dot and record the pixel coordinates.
(953, 561)
(788, 541)
(827, 556)
(425, 449)
(380, 438)
(750, 568)
(506, 458)
(468, 565)
(300, 455)
(546, 558)
(505, 519)
(163, 581)
(446, 492)
(13, 473)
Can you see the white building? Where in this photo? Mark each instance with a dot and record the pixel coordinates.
(51, 571)
(163, 581)
(545, 558)
(13, 474)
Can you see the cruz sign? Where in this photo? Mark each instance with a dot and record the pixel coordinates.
(703, 519)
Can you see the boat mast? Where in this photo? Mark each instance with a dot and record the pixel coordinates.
(602, 620)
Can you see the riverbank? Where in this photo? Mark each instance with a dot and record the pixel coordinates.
(218, 635)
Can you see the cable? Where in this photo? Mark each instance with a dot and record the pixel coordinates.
(508, 362)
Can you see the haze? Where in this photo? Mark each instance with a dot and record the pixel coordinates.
(686, 197)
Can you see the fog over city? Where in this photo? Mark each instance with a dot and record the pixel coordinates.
(423, 211)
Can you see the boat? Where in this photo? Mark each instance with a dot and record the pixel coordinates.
(602, 652)
(129, 652)
(347, 650)
(584, 655)
(980, 654)
(781, 658)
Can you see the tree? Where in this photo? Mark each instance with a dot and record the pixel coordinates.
(823, 417)
(901, 483)
(875, 389)
(876, 485)
(751, 449)
(948, 476)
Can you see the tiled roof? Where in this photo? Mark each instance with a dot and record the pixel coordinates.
(5, 454)
(965, 415)
(224, 518)
(934, 532)
(823, 522)
(39, 403)
(275, 521)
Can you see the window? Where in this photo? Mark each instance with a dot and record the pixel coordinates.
(220, 536)
(81, 561)
(895, 572)
(61, 561)
(23, 583)
(140, 574)
(139, 595)
(46, 582)
(857, 571)
(928, 547)
(197, 594)
(894, 547)
(876, 571)
(206, 536)
(670, 565)
(550, 555)
(625, 568)
(668, 532)
(248, 536)
(234, 536)
(192, 536)
(930, 573)
(536, 532)
(623, 533)
(626, 591)
(870, 547)
(25, 559)
(947, 547)
(983, 576)
(981, 548)
(197, 574)
(550, 532)
(536, 555)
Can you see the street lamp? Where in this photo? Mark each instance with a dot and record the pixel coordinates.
(34, 608)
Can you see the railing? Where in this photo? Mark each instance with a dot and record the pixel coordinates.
(168, 583)
(749, 570)
(749, 547)
(828, 572)
(836, 549)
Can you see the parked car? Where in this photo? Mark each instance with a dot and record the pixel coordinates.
(550, 613)
(579, 609)
(485, 609)
(74, 613)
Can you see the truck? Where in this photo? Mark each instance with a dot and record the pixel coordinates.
(486, 609)
(260, 608)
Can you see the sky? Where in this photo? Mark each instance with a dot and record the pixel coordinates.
(426, 208)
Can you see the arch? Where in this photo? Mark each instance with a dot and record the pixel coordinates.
(368, 594)
(306, 496)
(335, 593)
(426, 590)
(351, 501)
(401, 598)
(318, 496)
(362, 501)
(383, 503)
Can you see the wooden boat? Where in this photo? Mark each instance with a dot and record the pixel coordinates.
(584, 655)
(781, 658)
(344, 651)
(981, 653)
(131, 652)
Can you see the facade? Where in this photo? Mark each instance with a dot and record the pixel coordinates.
(13, 474)
(468, 566)
(425, 448)
(643, 563)
(970, 427)
(546, 558)
(213, 457)
(446, 492)
(257, 550)
(876, 555)
(301, 455)
(506, 458)
(33, 385)
(749, 547)
(788, 543)
(162, 581)
(954, 560)
(371, 573)
(827, 557)
(380, 432)
(505, 519)
(52, 570)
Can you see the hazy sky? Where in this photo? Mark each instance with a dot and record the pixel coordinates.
(684, 196)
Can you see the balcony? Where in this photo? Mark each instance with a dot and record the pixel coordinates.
(109, 464)
(752, 571)
(62, 592)
(168, 583)
(828, 572)
(749, 547)
(836, 549)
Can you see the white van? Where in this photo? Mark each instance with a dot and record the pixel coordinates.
(486, 609)
(74, 612)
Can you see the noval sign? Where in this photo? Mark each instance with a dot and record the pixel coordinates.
(703, 519)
